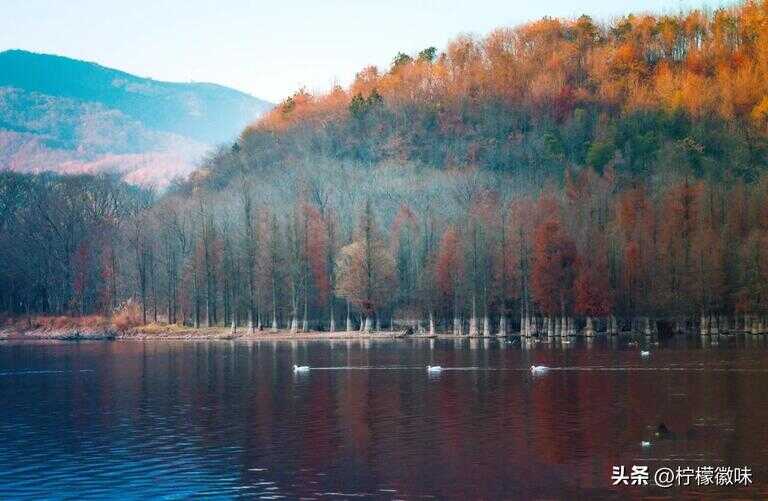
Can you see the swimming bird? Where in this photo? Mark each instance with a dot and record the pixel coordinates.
(434, 368)
(645, 443)
(663, 432)
(300, 368)
(645, 353)
(538, 369)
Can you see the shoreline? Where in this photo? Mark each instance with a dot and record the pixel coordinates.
(223, 335)
(154, 332)
(175, 333)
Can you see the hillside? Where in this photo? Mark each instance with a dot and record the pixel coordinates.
(648, 95)
(70, 116)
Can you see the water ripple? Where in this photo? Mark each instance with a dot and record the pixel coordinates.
(197, 420)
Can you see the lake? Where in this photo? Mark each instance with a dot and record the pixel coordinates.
(221, 419)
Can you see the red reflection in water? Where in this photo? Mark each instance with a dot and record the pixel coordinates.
(493, 431)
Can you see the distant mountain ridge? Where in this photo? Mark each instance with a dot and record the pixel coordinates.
(67, 115)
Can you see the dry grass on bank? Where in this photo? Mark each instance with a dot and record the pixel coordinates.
(127, 317)
(54, 322)
(126, 324)
(158, 328)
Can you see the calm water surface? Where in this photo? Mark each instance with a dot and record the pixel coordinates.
(224, 419)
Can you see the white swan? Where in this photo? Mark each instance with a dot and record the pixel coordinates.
(645, 353)
(434, 368)
(538, 369)
(645, 443)
(300, 368)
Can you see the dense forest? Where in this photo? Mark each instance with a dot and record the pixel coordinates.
(558, 177)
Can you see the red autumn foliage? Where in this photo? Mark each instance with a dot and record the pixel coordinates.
(129, 315)
(317, 250)
(448, 264)
(677, 230)
(554, 267)
(592, 287)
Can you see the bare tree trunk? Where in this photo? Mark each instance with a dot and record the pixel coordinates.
(704, 325)
(197, 298)
(113, 277)
(169, 285)
(153, 284)
(274, 293)
(141, 262)
(332, 327)
(648, 327)
(181, 316)
(457, 327)
(525, 328)
(473, 318)
(613, 328)
(589, 330)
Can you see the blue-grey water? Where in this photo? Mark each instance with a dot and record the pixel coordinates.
(226, 419)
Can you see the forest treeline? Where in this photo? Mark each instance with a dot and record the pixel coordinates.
(535, 180)
(461, 250)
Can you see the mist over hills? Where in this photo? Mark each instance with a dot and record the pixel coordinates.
(71, 116)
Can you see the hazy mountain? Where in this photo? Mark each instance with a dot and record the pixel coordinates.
(67, 115)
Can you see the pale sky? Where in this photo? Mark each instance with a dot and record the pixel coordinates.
(270, 48)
